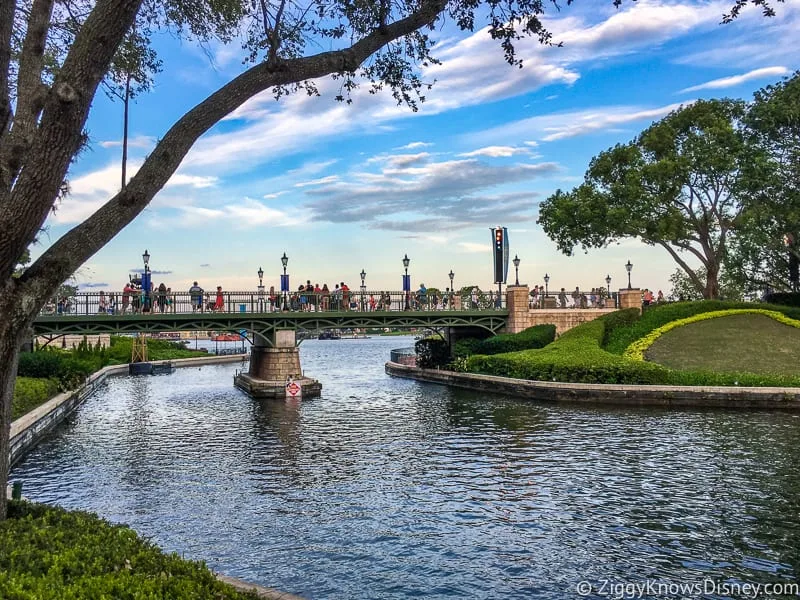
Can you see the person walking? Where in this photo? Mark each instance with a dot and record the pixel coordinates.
(162, 297)
(562, 298)
(196, 297)
(219, 302)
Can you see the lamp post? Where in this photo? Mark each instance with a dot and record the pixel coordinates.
(363, 288)
(516, 262)
(629, 268)
(285, 282)
(546, 281)
(452, 297)
(608, 286)
(406, 280)
(260, 289)
(146, 282)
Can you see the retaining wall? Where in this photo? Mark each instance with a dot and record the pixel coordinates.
(630, 395)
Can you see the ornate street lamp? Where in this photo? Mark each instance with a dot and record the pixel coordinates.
(363, 288)
(629, 268)
(260, 289)
(146, 299)
(406, 281)
(451, 299)
(146, 259)
(608, 285)
(285, 282)
(546, 281)
(516, 269)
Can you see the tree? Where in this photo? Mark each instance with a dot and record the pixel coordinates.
(54, 56)
(681, 185)
(682, 287)
(766, 251)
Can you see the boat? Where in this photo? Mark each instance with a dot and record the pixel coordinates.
(227, 337)
(356, 336)
(329, 335)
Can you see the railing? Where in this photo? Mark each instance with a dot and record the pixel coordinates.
(404, 356)
(575, 299)
(138, 302)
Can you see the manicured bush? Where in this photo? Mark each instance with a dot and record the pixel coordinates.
(783, 298)
(48, 553)
(537, 336)
(31, 392)
(622, 337)
(577, 357)
(465, 347)
(42, 363)
(432, 353)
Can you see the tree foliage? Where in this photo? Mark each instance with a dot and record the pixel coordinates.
(681, 184)
(55, 56)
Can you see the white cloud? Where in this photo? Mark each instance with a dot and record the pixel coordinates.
(244, 214)
(497, 151)
(274, 195)
(473, 247)
(734, 80)
(414, 146)
(139, 141)
(196, 181)
(320, 181)
(558, 126)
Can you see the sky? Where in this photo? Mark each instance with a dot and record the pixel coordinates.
(344, 188)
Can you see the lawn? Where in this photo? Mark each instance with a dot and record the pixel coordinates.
(738, 343)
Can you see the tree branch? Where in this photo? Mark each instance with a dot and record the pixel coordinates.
(80, 243)
(59, 134)
(6, 29)
(689, 271)
(29, 80)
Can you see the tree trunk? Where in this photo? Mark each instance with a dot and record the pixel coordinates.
(10, 343)
(711, 291)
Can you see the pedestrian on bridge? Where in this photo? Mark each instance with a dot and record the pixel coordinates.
(196, 297)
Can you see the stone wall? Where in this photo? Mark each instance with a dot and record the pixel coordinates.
(630, 395)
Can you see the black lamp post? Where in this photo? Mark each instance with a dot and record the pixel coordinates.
(146, 282)
(363, 288)
(450, 300)
(146, 259)
(608, 284)
(406, 280)
(285, 282)
(516, 269)
(546, 281)
(629, 268)
(260, 289)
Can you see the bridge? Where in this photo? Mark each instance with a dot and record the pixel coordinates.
(274, 320)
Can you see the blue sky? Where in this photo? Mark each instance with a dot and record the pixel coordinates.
(341, 188)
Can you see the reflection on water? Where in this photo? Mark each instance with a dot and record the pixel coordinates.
(387, 488)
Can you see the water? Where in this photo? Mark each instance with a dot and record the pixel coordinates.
(387, 488)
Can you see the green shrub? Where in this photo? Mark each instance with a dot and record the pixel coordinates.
(784, 298)
(432, 353)
(465, 347)
(48, 553)
(577, 357)
(42, 363)
(621, 337)
(30, 393)
(537, 336)
(619, 319)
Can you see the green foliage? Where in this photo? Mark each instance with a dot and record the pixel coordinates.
(680, 184)
(783, 298)
(662, 314)
(432, 353)
(31, 392)
(578, 357)
(465, 347)
(619, 319)
(48, 553)
(537, 336)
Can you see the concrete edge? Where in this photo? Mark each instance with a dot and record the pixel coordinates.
(259, 590)
(611, 394)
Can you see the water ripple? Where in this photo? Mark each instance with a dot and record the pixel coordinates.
(387, 488)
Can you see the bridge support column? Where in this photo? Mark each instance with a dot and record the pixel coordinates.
(271, 366)
(518, 312)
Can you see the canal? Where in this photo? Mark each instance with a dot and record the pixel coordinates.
(388, 488)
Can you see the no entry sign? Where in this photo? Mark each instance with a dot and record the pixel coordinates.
(293, 389)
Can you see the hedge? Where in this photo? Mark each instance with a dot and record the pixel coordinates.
(30, 392)
(48, 553)
(537, 336)
(637, 349)
(619, 338)
(577, 357)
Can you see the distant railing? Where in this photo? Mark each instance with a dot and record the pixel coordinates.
(404, 356)
(575, 299)
(155, 302)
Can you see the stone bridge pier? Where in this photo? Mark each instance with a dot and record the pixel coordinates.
(273, 362)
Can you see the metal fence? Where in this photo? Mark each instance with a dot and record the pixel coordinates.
(138, 302)
(596, 298)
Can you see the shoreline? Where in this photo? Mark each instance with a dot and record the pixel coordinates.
(758, 398)
(28, 430)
